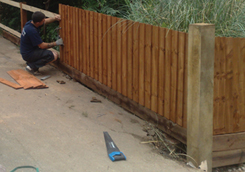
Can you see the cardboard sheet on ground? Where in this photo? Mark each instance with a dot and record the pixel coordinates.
(24, 79)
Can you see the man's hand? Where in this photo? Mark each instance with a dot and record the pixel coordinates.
(59, 42)
(52, 19)
(57, 18)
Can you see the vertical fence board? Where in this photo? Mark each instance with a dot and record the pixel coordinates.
(154, 67)
(124, 57)
(142, 64)
(167, 74)
(242, 84)
(71, 38)
(104, 59)
(80, 42)
(148, 44)
(91, 43)
(136, 62)
(229, 81)
(88, 42)
(217, 79)
(109, 51)
(174, 76)
(119, 55)
(222, 88)
(114, 53)
(185, 85)
(62, 24)
(236, 96)
(162, 33)
(180, 92)
(77, 46)
(100, 47)
(73, 48)
(96, 46)
(67, 41)
(129, 59)
(84, 42)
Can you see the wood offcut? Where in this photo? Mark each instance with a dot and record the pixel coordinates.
(24, 80)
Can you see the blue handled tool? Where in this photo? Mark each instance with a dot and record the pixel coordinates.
(112, 150)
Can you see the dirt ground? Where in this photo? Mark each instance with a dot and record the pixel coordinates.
(58, 129)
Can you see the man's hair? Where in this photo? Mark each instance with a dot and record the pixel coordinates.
(37, 16)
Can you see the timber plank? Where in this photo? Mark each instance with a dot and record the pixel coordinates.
(72, 36)
(155, 69)
(96, 75)
(236, 94)
(229, 84)
(217, 58)
(61, 24)
(104, 59)
(148, 61)
(91, 44)
(136, 62)
(66, 41)
(77, 35)
(242, 84)
(162, 33)
(130, 59)
(227, 142)
(9, 83)
(84, 42)
(87, 25)
(111, 52)
(80, 43)
(230, 157)
(24, 83)
(36, 83)
(185, 85)
(124, 57)
(167, 90)
(174, 76)
(180, 90)
(119, 55)
(100, 47)
(68, 45)
(142, 64)
(113, 42)
(25, 79)
(219, 117)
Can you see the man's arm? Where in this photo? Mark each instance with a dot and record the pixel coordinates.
(52, 19)
(45, 45)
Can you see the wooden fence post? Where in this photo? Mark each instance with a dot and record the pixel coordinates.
(201, 44)
(23, 15)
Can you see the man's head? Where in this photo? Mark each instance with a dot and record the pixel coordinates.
(38, 17)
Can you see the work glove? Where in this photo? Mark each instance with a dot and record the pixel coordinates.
(59, 42)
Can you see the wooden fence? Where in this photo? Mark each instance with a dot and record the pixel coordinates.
(142, 62)
(147, 64)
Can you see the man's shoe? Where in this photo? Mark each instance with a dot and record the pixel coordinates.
(31, 71)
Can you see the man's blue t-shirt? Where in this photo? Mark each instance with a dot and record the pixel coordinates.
(30, 39)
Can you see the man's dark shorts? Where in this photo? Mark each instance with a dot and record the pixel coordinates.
(39, 58)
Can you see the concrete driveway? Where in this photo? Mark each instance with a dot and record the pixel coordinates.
(58, 129)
